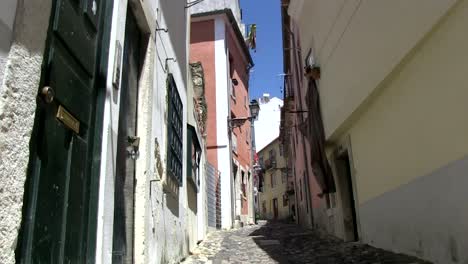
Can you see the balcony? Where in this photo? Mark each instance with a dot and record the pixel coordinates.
(270, 164)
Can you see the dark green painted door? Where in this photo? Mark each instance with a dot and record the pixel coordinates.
(56, 225)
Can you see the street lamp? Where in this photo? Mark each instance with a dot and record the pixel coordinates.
(239, 121)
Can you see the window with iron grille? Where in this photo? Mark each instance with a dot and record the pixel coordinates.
(174, 131)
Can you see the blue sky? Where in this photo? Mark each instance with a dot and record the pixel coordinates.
(268, 59)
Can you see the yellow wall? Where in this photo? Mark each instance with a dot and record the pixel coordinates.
(419, 121)
(357, 44)
(280, 187)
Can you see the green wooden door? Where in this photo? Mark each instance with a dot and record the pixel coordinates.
(60, 210)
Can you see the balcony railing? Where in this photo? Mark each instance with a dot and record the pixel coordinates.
(270, 164)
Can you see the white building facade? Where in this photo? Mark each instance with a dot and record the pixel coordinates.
(139, 201)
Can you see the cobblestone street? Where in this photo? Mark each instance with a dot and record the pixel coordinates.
(287, 243)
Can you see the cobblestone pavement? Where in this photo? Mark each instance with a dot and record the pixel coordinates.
(287, 243)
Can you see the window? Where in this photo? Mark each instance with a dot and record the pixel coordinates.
(283, 176)
(174, 131)
(193, 157)
(281, 149)
(272, 158)
(285, 200)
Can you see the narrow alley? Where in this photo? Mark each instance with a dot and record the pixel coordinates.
(233, 131)
(278, 242)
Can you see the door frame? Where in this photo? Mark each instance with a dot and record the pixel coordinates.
(96, 129)
(142, 44)
(343, 150)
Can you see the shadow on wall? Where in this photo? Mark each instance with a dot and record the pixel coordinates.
(192, 199)
(172, 203)
(288, 243)
(175, 18)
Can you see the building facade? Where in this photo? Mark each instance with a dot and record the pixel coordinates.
(274, 197)
(218, 43)
(398, 163)
(107, 161)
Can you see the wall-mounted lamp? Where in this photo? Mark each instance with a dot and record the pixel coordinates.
(311, 69)
(254, 110)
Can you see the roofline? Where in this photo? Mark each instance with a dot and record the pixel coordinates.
(232, 20)
(269, 144)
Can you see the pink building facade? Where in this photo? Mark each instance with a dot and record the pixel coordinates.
(298, 134)
(217, 42)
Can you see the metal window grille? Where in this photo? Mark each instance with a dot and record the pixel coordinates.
(174, 131)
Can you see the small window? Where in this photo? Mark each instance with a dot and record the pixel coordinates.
(283, 177)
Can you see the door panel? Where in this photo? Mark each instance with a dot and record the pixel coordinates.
(73, 28)
(55, 229)
(72, 86)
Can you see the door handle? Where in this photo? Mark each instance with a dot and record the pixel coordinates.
(48, 94)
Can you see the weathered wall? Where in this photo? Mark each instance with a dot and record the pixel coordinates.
(17, 112)
(409, 149)
(166, 225)
(7, 19)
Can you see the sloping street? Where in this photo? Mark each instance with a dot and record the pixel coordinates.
(287, 243)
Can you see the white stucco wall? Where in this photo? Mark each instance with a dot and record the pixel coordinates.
(165, 228)
(161, 222)
(17, 112)
(7, 19)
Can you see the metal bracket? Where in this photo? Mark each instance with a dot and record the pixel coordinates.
(133, 148)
